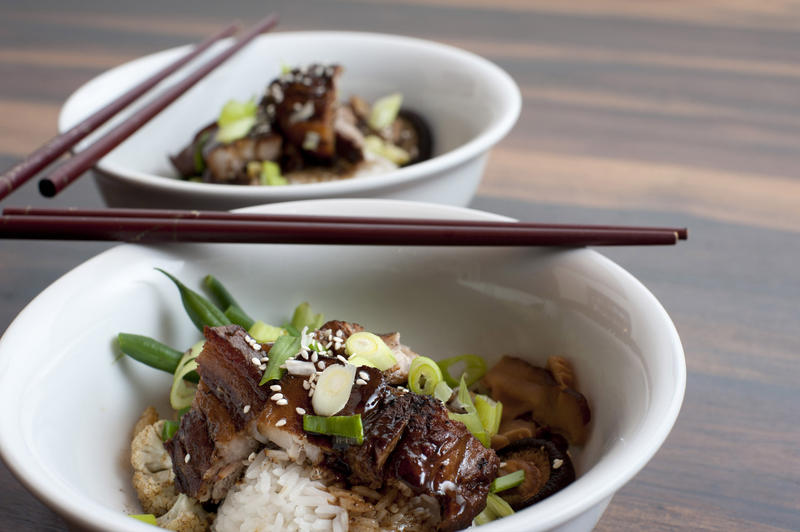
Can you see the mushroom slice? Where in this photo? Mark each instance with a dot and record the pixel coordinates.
(524, 388)
(547, 468)
(412, 133)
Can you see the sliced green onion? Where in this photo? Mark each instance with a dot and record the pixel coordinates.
(150, 519)
(489, 412)
(498, 506)
(424, 375)
(387, 150)
(471, 367)
(235, 131)
(473, 424)
(236, 120)
(282, 350)
(371, 347)
(443, 391)
(181, 393)
(270, 175)
(333, 389)
(303, 317)
(359, 361)
(265, 333)
(470, 419)
(483, 518)
(506, 482)
(201, 311)
(235, 110)
(348, 427)
(291, 330)
(169, 430)
(384, 111)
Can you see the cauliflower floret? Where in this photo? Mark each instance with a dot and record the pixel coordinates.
(186, 515)
(153, 477)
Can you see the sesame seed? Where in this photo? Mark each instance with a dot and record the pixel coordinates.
(281, 402)
(339, 333)
(314, 357)
(364, 375)
(558, 462)
(281, 422)
(277, 397)
(275, 387)
(255, 361)
(342, 359)
(306, 385)
(187, 458)
(300, 411)
(264, 359)
(321, 364)
(362, 382)
(257, 347)
(246, 409)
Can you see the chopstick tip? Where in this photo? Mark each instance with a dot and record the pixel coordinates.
(47, 188)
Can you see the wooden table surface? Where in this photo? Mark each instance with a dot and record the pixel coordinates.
(679, 113)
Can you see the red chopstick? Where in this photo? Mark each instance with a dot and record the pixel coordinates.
(682, 232)
(55, 147)
(82, 161)
(154, 229)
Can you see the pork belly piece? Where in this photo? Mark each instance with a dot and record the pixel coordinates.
(384, 421)
(440, 457)
(304, 103)
(232, 416)
(398, 374)
(227, 163)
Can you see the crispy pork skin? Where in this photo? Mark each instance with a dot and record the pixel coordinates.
(440, 457)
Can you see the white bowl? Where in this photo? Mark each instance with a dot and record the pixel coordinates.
(469, 102)
(69, 405)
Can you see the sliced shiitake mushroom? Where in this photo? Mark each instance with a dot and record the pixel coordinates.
(547, 467)
(525, 389)
(411, 133)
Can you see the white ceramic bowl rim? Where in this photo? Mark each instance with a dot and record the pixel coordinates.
(590, 489)
(490, 135)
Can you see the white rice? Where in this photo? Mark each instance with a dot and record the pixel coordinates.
(277, 494)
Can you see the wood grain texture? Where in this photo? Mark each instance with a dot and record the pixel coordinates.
(660, 113)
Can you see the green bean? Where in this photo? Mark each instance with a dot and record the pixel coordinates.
(237, 316)
(152, 353)
(225, 299)
(201, 311)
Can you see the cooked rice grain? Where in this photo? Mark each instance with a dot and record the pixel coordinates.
(278, 494)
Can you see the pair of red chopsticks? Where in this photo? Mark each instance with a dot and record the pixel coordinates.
(74, 167)
(151, 225)
(132, 225)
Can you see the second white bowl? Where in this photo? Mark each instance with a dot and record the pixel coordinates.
(469, 102)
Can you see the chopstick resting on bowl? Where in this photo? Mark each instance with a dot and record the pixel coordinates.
(58, 145)
(82, 161)
(145, 226)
